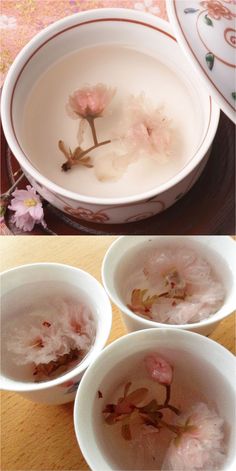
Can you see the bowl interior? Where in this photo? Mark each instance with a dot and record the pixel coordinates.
(34, 288)
(199, 370)
(130, 55)
(128, 255)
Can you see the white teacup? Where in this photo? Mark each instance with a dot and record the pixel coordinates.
(105, 26)
(61, 389)
(121, 258)
(187, 351)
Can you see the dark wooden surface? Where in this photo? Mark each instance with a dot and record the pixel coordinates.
(208, 208)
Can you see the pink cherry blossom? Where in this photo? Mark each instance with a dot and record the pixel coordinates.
(200, 447)
(148, 130)
(60, 326)
(203, 293)
(90, 101)
(159, 369)
(27, 206)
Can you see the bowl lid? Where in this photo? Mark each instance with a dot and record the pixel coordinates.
(206, 32)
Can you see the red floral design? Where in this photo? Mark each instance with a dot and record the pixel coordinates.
(216, 10)
(87, 214)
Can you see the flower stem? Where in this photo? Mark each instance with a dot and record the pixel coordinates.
(94, 147)
(174, 409)
(10, 190)
(166, 404)
(171, 427)
(91, 120)
(168, 392)
(70, 162)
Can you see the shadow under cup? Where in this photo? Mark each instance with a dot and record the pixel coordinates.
(202, 368)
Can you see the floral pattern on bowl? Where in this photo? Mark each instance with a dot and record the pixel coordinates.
(120, 213)
(206, 31)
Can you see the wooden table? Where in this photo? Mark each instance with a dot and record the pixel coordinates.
(39, 437)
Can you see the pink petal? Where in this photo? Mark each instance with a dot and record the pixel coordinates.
(25, 222)
(36, 212)
(159, 369)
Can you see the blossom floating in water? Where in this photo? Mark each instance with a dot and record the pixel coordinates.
(159, 369)
(144, 132)
(147, 129)
(141, 303)
(27, 207)
(90, 101)
(192, 440)
(54, 338)
(87, 103)
(200, 445)
(182, 288)
(131, 410)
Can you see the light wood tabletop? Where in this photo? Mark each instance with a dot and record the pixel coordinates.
(40, 437)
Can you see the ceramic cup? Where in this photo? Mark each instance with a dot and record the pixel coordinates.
(123, 27)
(124, 254)
(63, 388)
(187, 351)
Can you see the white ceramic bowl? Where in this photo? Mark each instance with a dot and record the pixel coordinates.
(105, 26)
(63, 388)
(186, 350)
(220, 251)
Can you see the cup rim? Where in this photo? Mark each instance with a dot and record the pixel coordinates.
(121, 14)
(146, 322)
(20, 386)
(118, 346)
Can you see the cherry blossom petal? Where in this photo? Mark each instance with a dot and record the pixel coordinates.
(159, 369)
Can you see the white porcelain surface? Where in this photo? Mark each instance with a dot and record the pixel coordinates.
(220, 251)
(206, 32)
(104, 374)
(119, 26)
(63, 388)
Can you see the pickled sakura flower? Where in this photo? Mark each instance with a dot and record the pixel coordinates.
(200, 446)
(54, 336)
(147, 129)
(90, 101)
(181, 285)
(159, 369)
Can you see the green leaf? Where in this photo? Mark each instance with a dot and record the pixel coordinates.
(111, 419)
(233, 95)
(190, 10)
(152, 406)
(127, 387)
(208, 21)
(137, 396)
(210, 60)
(86, 161)
(125, 432)
(76, 153)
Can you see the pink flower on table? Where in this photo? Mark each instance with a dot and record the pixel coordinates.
(7, 22)
(159, 369)
(27, 206)
(148, 6)
(200, 446)
(90, 101)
